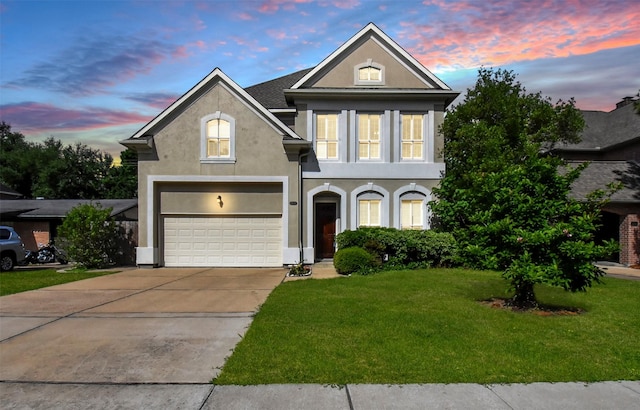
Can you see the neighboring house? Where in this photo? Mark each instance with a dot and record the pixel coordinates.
(37, 220)
(268, 175)
(611, 143)
(8, 193)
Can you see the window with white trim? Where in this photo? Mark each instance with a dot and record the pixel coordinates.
(412, 214)
(218, 138)
(369, 129)
(369, 73)
(369, 212)
(412, 136)
(327, 136)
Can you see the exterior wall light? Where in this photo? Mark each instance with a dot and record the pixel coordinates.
(219, 200)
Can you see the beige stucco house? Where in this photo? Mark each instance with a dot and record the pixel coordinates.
(268, 175)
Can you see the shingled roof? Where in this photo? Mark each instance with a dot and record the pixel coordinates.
(58, 208)
(271, 93)
(607, 129)
(601, 173)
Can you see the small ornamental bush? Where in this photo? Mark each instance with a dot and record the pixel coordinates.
(353, 260)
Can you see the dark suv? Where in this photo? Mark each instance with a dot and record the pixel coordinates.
(11, 248)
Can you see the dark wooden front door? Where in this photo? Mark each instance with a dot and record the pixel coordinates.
(325, 230)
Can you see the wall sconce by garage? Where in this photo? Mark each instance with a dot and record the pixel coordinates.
(219, 201)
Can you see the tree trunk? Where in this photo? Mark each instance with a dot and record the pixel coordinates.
(524, 297)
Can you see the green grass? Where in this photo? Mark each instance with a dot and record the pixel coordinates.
(21, 280)
(428, 326)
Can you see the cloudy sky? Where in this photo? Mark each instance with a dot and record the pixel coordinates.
(96, 71)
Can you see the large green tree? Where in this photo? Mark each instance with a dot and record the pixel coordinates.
(122, 181)
(506, 198)
(53, 170)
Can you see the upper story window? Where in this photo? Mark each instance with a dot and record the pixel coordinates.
(327, 136)
(218, 138)
(369, 73)
(412, 136)
(369, 129)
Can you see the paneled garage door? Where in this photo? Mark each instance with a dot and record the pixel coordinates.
(208, 241)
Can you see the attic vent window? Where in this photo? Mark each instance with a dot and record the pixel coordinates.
(369, 73)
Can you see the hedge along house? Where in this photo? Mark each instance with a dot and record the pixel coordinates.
(268, 175)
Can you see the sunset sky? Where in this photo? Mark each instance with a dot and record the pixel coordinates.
(96, 71)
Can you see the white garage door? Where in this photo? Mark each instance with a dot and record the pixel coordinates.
(239, 241)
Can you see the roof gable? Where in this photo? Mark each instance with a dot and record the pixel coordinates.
(215, 78)
(370, 38)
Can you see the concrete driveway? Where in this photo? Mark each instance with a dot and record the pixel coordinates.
(169, 327)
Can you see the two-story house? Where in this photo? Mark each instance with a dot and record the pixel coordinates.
(268, 175)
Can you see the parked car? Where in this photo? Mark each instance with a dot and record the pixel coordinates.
(12, 250)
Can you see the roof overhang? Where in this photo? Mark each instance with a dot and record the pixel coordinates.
(446, 96)
(140, 145)
(296, 146)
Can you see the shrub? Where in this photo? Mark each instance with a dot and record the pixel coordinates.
(410, 248)
(353, 260)
(90, 235)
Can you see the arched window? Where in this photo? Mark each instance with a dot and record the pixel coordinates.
(412, 211)
(370, 209)
(218, 138)
(369, 73)
(411, 204)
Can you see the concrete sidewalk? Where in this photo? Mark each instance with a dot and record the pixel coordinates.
(539, 396)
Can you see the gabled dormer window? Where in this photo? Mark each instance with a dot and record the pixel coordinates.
(218, 138)
(369, 73)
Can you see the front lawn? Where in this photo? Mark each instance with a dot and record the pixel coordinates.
(428, 326)
(21, 280)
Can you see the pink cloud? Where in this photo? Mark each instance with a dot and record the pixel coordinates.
(32, 117)
(245, 16)
(271, 6)
(474, 33)
(341, 4)
(252, 45)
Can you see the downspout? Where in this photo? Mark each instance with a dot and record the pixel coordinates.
(300, 204)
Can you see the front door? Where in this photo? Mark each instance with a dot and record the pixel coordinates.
(325, 230)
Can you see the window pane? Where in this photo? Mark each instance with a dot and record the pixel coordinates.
(212, 148)
(363, 74)
(374, 74)
(374, 213)
(322, 127)
(212, 129)
(417, 127)
(417, 150)
(363, 151)
(224, 147)
(405, 215)
(416, 211)
(374, 150)
(224, 129)
(364, 213)
(332, 126)
(321, 150)
(332, 150)
(407, 150)
(363, 127)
